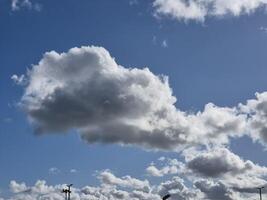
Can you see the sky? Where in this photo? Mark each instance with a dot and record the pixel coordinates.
(133, 99)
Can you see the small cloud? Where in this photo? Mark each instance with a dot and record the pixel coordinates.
(162, 158)
(7, 120)
(263, 29)
(54, 170)
(16, 5)
(164, 43)
(133, 2)
(154, 40)
(73, 171)
(19, 80)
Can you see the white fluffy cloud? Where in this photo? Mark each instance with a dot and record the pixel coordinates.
(199, 10)
(224, 172)
(40, 191)
(172, 166)
(110, 191)
(17, 187)
(86, 90)
(108, 178)
(238, 182)
(257, 117)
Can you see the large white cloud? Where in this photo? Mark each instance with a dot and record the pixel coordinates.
(86, 90)
(199, 10)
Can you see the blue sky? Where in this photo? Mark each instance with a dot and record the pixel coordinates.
(212, 58)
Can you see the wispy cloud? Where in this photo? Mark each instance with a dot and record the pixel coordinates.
(27, 4)
(7, 120)
(54, 170)
(164, 43)
(156, 41)
(133, 2)
(19, 80)
(263, 29)
(73, 171)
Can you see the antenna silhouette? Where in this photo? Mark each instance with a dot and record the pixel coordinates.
(166, 197)
(67, 192)
(260, 188)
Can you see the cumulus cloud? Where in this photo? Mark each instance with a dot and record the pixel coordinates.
(222, 168)
(40, 190)
(220, 164)
(110, 191)
(172, 166)
(199, 10)
(214, 191)
(108, 178)
(177, 189)
(181, 10)
(17, 187)
(221, 161)
(191, 186)
(257, 119)
(86, 90)
(106, 191)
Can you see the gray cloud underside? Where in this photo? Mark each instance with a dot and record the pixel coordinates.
(216, 165)
(86, 90)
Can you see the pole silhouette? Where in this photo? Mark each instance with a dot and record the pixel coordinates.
(260, 188)
(67, 192)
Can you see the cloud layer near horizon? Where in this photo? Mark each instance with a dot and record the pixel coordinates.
(199, 10)
(186, 184)
(86, 90)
